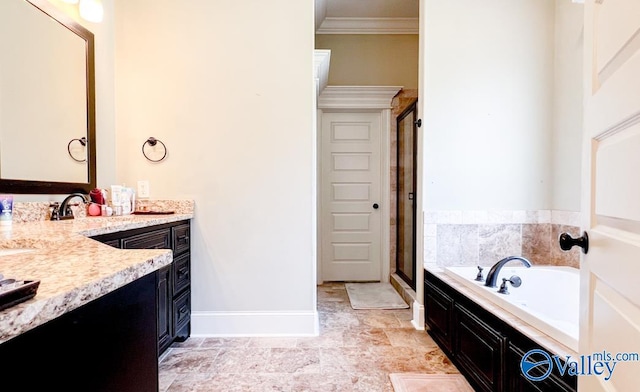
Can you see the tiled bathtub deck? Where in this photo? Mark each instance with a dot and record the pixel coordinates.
(356, 351)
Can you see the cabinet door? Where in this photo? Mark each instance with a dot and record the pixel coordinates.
(182, 315)
(479, 349)
(517, 382)
(164, 295)
(439, 315)
(113, 243)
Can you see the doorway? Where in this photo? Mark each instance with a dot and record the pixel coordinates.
(354, 129)
(350, 163)
(406, 195)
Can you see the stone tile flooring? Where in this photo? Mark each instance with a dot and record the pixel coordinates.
(356, 351)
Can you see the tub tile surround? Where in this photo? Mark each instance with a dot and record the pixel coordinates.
(72, 269)
(463, 238)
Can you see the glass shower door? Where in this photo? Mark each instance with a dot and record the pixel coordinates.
(406, 211)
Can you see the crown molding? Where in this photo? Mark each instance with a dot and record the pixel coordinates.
(357, 97)
(343, 25)
(321, 60)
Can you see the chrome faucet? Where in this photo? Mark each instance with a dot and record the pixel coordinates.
(63, 211)
(492, 276)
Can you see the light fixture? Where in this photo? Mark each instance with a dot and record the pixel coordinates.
(91, 10)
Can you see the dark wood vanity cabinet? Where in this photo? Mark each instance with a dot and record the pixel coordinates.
(486, 350)
(106, 345)
(173, 282)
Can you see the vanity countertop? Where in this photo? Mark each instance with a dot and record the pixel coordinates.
(72, 269)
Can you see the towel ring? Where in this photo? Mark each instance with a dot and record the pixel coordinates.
(152, 141)
(83, 142)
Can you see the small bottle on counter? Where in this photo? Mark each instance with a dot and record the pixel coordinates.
(6, 210)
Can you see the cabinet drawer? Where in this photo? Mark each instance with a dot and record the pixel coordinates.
(181, 310)
(479, 349)
(438, 315)
(159, 239)
(181, 238)
(181, 272)
(113, 243)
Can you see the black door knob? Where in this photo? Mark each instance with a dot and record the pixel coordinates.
(375, 206)
(567, 242)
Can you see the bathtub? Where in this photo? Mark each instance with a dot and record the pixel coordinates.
(548, 298)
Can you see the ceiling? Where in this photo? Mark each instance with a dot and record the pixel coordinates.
(367, 16)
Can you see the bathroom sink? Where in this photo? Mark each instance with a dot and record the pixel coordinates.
(7, 252)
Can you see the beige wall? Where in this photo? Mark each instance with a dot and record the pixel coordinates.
(229, 88)
(567, 114)
(488, 90)
(371, 60)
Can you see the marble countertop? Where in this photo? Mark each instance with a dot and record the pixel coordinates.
(72, 269)
(526, 329)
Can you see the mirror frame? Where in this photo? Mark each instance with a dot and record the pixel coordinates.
(45, 187)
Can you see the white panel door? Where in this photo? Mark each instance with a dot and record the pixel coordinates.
(350, 223)
(610, 271)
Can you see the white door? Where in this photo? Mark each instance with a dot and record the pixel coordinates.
(351, 198)
(610, 271)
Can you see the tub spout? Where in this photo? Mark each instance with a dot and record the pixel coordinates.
(492, 276)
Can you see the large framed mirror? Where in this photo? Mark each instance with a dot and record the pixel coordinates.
(47, 101)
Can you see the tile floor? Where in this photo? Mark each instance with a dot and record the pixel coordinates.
(356, 351)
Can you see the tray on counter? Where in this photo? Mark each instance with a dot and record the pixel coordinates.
(19, 294)
(149, 212)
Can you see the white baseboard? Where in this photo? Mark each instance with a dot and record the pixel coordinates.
(208, 324)
(418, 316)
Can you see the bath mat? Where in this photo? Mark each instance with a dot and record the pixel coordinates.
(374, 296)
(413, 382)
